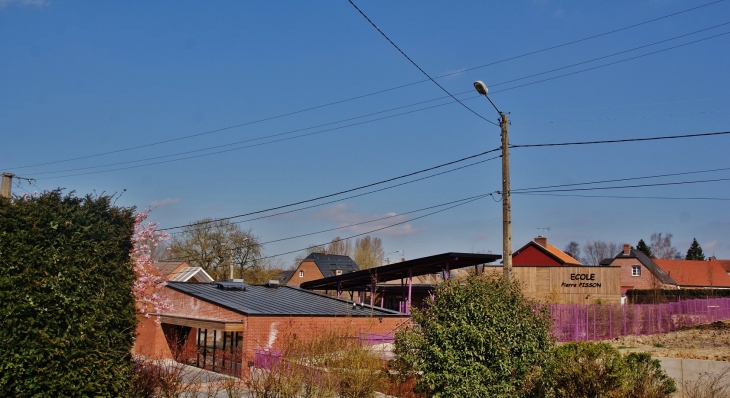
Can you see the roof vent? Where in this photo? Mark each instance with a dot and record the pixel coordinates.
(272, 283)
(239, 286)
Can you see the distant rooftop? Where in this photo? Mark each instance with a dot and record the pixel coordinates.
(282, 300)
(329, 264)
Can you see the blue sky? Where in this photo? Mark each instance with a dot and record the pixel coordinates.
(86, 78)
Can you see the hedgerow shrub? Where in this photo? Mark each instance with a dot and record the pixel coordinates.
(67, 316)
(479, 337)
(587, 369)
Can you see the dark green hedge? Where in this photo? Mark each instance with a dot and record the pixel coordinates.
(651, 296)
(67, 317)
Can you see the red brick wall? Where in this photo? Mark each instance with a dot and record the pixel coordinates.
(533, 257)
(191, 307)
(645, 281)
(311, 273)
(150, 341)
(272, 331)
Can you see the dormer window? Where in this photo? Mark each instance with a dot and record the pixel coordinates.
(301, 274)
(338, 272)
(635, 270)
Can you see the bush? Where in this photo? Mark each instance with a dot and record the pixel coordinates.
(478, 337)
(67, 310)
(587, 369)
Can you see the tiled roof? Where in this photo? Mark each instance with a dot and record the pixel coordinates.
(166, 267)
(695, 273)
(563, 256)
(282, 300)
(647, 262)
(725, 264)
(328, 264)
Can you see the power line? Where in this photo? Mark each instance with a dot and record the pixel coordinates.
(382, 228)
(418, 67)
(614, 54)
(626, 197)
(622, 179)
(369, 94)
(667, 137)
(377, 219)
(350, 125)
(228, 145)
(625, 186)
(611, 63)
(337, 193)
(355, 196)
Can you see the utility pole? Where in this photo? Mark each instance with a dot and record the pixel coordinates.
(506, 202)
(7, 184)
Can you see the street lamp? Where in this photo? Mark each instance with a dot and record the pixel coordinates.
(386, 256)
(506, 202)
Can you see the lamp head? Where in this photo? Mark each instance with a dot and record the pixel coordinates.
(481, 87)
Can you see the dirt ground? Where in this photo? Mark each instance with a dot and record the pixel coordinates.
(710, 341)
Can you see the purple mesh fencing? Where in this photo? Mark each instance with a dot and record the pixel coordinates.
(575, 322)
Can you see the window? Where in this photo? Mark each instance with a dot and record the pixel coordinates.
(635, 270)
(301, 274)
(338, 272)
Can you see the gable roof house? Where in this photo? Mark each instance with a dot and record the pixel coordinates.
(725, 264)
(321, 265)
(181, 271)
(638, 271)
(539, 253)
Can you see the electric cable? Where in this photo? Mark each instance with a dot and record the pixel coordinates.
(369, 94)
(623, 186)
(621, 179)
(610, 63)
(627, 197)
(340, 192)
(353, 118)
(419, 68)
(666, 137)
(352, 196)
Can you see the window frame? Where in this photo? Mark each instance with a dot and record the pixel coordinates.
(636, 270)
(301, 273)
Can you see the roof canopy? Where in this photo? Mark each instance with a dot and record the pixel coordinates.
(255, 300)
(415, 267)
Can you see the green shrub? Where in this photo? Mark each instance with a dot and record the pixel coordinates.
(479, 337)
(597, 370)
(66, 307)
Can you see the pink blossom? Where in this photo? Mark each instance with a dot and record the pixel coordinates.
(147, 285)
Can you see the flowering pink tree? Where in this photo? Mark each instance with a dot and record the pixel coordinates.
(148, 286)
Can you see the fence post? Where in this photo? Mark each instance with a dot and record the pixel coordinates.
(594, 322)
(623, 310)
(610, 321)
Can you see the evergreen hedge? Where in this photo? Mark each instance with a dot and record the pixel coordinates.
(651, 296)
(67, 316)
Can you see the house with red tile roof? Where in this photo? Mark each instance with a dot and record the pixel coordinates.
(691, 274)
(725, 264)
(539, 253)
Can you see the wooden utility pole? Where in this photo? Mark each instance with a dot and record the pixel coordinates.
(506, 202)
(7, 184)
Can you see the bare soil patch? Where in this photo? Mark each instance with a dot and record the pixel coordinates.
(708, 341)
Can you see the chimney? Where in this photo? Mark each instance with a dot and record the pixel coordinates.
(541, 240)
(324, 251)
(402, 259)
(627, 249)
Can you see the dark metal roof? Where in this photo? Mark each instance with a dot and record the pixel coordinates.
(419, 266)
(282, 300)
(650, 265)
(328, 264)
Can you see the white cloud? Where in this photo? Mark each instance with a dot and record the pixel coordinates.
(709, 246)
(36, 3)
(164, 202)
(343, 215)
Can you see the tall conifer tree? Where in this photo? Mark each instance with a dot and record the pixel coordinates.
(695, 251)
(644, 248)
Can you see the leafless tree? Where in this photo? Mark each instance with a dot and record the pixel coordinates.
(340, 247)
(597, 250)
(661, 246)
(368, 252)
(573, 249)
(215, 245)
